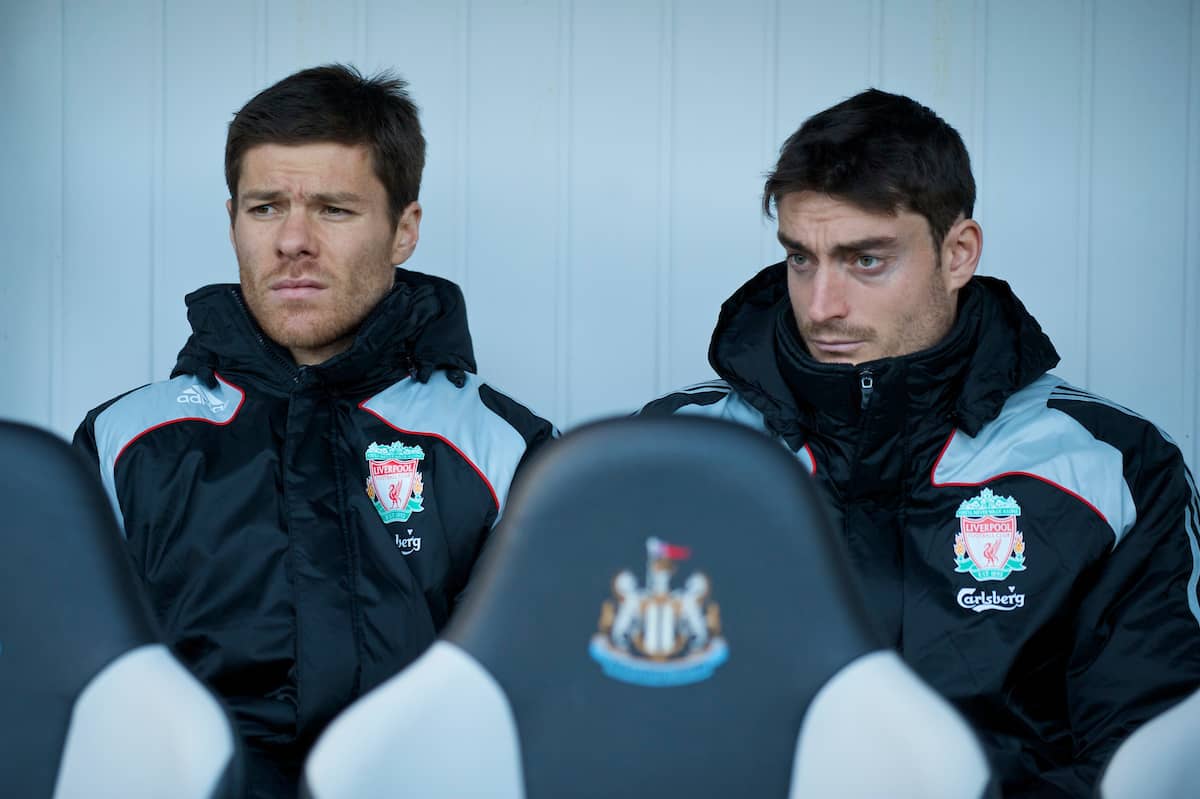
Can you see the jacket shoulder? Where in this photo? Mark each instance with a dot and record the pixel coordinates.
(121, 422)
(1140, 439)
(109, 430)
(713, 398)
(1075, 440)
(716, 399)
(491, 431)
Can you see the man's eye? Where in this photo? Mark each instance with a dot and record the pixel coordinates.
(265, 209)
(797, 260)
(332, 210)
(869, 262)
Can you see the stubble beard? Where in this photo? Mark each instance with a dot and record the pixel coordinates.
(330, 319)
(918, 330)
(928, 325)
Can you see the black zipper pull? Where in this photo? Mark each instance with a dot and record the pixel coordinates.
(866, 382)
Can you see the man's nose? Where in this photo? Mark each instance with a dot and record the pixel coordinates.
(295, 236)
(828, 298)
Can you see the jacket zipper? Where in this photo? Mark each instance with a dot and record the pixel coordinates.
(291, 369)
(866, 384)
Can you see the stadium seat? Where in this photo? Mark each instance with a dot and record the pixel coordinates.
(1160, 760)
(664, 611)
(91, 704)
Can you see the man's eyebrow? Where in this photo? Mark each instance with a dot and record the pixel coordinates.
(328, 198)
(336, 198)
(874, 243)
(260, 195)
(792, 244)
(847, 248)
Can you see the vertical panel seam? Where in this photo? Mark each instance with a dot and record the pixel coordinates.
(1084, 298)
(261, 41)
(462, 261)
(875, 45)
(770, 109)
(58, 282)
(360, 35)
(158, 134)
(1191, 260)
(666, 124)
(979, 102)
(562, 270)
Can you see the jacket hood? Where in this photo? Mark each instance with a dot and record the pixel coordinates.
(994, 349)
(420, 326)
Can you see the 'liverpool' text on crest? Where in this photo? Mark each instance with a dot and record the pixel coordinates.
(394, 484)
(988, 544)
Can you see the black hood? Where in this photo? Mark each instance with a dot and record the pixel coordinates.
(994, 349)
(420, 326)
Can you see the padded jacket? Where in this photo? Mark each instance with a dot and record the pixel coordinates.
(1030, 548)
(303, 533)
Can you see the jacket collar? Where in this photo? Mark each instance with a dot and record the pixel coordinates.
(421, 325)
(994, 349)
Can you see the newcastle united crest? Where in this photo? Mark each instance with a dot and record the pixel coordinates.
(988, 544)
(656, 635)
(394, 484)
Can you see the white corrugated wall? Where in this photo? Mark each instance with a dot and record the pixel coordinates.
(595, 170)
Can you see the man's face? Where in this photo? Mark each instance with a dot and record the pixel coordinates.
(866, 285)
(315, 244)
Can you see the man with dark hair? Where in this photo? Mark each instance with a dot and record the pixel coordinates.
(306, 496)
(1030, 548)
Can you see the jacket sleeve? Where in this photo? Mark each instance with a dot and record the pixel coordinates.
(85, 440)
(535, 432)
(86, 443)
(85, 435)
(1137, 641)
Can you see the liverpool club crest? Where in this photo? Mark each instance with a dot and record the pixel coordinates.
(394, 484)
(656, 635)
(988, 544)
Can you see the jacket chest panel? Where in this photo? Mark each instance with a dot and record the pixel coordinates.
(421, 506)
(992, 575)
(977, 584)
(188, 488)
(869, 467)
(277, 499)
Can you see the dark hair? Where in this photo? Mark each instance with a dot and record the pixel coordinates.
(882, 152)
(335, 103)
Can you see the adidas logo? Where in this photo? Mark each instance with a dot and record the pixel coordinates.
(198, 395)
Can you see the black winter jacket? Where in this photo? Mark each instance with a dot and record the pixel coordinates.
(1029, 548)
(303, 533)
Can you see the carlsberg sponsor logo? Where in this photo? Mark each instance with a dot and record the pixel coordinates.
(979, 600)
(409, 545)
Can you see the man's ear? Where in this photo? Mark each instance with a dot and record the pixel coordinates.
(408, 232)
(230, 211)
(960, 252)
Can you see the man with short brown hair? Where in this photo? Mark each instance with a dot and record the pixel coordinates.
(1030, 548)
(305, 498)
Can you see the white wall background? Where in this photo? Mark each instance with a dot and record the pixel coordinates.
(595, 169)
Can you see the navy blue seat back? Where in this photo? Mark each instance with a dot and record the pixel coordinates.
(70, 608)
(749, 519)
(665, 610)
